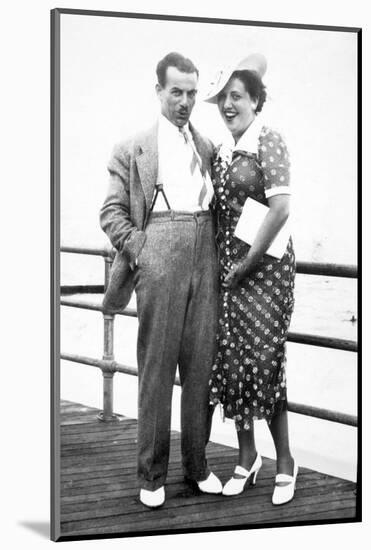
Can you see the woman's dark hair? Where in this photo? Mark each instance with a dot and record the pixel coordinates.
(253, 85)
(176, 60)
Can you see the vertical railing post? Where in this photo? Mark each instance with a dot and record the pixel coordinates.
(108, 261)
(107, 414)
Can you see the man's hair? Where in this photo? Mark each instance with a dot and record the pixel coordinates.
(177, 60)
(253, 85)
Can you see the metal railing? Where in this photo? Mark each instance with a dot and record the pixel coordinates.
(109, 366)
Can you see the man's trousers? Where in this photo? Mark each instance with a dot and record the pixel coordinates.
(176, 283)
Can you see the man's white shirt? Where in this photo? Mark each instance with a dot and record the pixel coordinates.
(182, 188)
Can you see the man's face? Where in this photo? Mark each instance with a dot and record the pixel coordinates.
(178, 96)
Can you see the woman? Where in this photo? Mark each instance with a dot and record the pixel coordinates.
(256, 299)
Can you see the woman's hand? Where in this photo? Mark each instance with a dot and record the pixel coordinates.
(235, 274)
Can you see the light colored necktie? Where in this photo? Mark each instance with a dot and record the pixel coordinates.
(195, 161)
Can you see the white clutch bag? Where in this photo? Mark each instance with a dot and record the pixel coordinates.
(251, 218)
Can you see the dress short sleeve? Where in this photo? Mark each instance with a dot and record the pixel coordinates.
(273, 158)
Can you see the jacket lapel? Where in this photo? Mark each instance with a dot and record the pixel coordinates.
(202, 149)
(147, 163)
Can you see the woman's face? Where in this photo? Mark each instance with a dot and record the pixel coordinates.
(236, 107)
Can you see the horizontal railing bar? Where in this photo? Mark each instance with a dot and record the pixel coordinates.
(101, 363)
(297, 337)
(307, 268)
(89, 250)
(81, 289)
(322, 341)
(323, 414)
(129, 312)
(327, 269)
(81, 305)
(316, 412)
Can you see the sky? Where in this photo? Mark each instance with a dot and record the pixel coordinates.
(108, 92)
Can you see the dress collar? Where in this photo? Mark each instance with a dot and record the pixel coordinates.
(249, 140)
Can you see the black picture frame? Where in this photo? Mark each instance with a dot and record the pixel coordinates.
(56, 16)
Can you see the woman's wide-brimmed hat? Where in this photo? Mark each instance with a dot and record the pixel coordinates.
(253, 62)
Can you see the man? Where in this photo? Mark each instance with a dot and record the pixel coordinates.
(170, 247)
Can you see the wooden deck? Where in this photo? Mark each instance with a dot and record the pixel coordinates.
(99, 490)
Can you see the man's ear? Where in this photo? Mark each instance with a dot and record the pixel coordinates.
(158, 88)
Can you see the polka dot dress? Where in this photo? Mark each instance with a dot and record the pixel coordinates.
(248, 376)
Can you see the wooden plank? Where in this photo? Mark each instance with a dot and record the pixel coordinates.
(223, 470)
(109, 457)
(217, 515)
(271, 517)
(177, 494)
(121, 506)
(343, 513)
(131, 462)
(223, 464)
(99, 426)
(68, 421)
(129, 483)
(69, 441)
(128, 479)
(99, 489)
(103, 448)
(68, 406)
(179, 490)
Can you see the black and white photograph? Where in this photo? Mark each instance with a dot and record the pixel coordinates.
(185, 264)
(206, 338)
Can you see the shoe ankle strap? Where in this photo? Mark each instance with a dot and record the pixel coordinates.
(284, 478)
(240, 470)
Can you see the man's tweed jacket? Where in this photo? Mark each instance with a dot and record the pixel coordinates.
(133, 171)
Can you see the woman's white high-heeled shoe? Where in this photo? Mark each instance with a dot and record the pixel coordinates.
(235, 486)
(284, 493)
